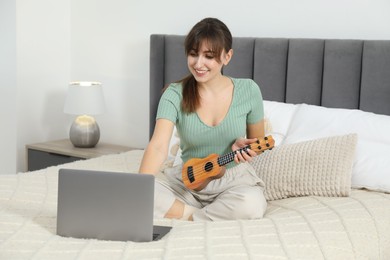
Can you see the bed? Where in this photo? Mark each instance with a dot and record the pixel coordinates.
(327, 106)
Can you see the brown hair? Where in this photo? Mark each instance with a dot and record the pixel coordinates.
(219, 38)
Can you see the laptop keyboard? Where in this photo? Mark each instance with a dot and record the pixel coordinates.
(155, 235)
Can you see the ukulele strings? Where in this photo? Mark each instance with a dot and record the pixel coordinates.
(199, 169)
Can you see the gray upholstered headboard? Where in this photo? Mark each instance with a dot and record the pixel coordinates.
(325, 72)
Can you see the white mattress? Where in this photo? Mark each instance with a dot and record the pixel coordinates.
(355, 227)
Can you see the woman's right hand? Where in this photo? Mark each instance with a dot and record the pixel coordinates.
(157, 150)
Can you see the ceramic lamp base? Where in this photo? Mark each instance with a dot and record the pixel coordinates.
(84, 132)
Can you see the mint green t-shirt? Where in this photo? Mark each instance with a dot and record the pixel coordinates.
(198, 140)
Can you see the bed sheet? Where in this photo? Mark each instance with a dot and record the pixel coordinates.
(355, 227)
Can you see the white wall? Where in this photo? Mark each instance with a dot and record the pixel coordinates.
(43, 70)
(108, 41)
(7, 86)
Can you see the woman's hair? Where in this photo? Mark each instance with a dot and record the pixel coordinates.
(219, 39)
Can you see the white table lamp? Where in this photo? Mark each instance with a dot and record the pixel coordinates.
(84, 99)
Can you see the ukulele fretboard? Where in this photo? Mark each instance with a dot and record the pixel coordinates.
(229, 157)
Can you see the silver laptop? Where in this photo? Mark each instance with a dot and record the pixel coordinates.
(107, 206)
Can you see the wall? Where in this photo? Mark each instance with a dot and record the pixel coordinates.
(8, 86)
(43, 70)
(108, 41)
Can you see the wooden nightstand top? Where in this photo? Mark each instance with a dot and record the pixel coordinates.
(65, 147)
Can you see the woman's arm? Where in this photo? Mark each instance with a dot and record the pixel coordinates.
(255, 130)
(157, 150)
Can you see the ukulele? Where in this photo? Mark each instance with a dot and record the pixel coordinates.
(198, 172)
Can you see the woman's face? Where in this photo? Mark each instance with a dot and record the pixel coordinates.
(203, 64)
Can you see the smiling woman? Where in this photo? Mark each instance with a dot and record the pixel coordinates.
(208, 47)
(213, 114)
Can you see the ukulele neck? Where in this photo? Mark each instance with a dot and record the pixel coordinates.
(229, 157)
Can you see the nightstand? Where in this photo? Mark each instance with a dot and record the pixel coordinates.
(42, 155)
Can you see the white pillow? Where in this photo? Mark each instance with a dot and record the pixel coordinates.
(172, 150)
(178, 159)
(278, 117)
(371, 168)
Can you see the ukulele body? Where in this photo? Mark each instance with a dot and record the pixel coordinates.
(198, 172)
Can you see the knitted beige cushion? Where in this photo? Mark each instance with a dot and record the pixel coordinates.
(320, 167)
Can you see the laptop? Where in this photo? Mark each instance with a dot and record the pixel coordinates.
(107, 205)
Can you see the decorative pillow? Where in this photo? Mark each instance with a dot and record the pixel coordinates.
(319, 167)
(371, 169)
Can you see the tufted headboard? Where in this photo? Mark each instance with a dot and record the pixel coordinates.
(325, 72)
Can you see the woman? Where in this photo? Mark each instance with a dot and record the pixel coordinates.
(213, 113)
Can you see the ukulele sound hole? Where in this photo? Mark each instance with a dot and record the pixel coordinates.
(208, 166)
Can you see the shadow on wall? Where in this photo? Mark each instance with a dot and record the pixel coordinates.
(55, 123)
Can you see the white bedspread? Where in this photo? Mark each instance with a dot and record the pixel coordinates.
(356, 227)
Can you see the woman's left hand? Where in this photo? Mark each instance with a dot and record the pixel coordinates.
(243, 155)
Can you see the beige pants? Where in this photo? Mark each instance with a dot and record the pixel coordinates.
(237, 195)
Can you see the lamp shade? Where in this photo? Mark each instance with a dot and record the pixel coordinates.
(84, 98)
